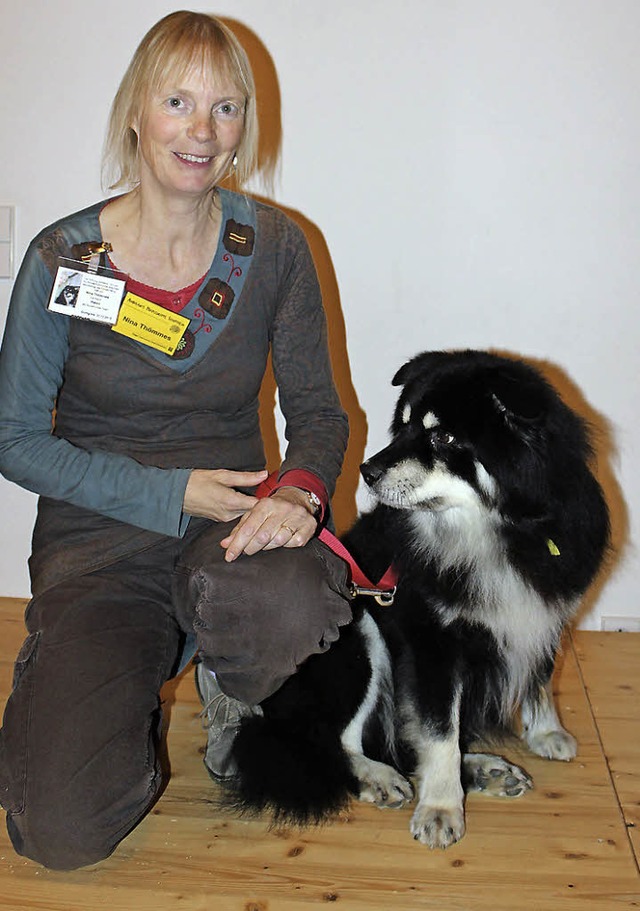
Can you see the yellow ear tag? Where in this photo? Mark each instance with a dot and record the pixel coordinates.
(553, 548)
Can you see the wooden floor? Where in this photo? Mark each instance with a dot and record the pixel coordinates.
(572, 843)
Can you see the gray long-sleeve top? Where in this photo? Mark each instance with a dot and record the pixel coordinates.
(131, 422)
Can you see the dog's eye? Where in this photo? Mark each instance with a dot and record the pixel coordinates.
(442, 438)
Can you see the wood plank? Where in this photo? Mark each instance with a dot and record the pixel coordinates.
(562, 847)
(608, 662)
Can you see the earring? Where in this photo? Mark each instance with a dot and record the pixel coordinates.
(234, 162)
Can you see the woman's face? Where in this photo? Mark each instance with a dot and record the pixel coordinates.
(188, 134)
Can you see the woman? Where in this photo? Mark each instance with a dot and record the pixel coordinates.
(148, 480)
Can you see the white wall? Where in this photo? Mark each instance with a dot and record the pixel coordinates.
(467, 173)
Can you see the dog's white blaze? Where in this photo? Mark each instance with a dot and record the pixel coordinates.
(378, 688)
(406, 413)
(430, 420)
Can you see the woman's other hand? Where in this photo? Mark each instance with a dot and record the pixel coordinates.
(282, 520)
(212, 494)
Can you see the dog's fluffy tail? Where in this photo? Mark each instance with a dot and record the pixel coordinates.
(300, 774)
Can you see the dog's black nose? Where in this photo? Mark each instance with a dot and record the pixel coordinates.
(370, 472)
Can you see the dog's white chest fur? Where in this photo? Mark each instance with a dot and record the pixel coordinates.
(523, 625)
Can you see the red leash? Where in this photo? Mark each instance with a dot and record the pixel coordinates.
(385, 589)
(383, 592)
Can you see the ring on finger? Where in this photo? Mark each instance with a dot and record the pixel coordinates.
(288, 527)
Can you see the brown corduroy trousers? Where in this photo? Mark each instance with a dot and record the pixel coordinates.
(79, 747)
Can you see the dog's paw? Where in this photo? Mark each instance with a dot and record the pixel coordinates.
(494, 776)
(437, 827)
(558, 744)
(381, 784)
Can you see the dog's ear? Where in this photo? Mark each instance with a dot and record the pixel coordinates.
(418, 365)
(519, 397)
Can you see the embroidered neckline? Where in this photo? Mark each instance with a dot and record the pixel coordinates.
(170, 300)
(210, 301)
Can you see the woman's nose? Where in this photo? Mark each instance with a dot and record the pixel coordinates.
(202, 128)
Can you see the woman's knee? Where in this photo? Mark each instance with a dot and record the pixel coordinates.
(78, 747)
(63, 831)
(259, 618)
(69, 803)
(70, 849)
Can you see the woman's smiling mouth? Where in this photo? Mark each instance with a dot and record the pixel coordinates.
(193, 159)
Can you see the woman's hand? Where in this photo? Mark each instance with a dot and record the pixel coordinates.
(282, 520)
(211, 493)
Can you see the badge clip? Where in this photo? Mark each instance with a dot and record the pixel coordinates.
(92, 256)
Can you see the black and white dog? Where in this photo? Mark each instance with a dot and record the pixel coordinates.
(496, 526)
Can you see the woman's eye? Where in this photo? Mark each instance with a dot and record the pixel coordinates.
(226, 109)
(174, 102)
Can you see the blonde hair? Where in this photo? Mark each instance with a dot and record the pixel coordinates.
(172, 47)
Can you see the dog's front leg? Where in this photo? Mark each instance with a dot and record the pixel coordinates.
(379, 783)
(438, 820)
(541, 728)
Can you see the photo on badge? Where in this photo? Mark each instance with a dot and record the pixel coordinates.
(65, 290)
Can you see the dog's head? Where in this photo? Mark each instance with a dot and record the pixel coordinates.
(474, 429)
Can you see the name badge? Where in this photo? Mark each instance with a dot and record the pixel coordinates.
(91, 295)
(150, 324)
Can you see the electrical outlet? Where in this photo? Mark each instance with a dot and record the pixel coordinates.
(620, 624)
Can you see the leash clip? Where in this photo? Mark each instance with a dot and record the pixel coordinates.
(382, 597)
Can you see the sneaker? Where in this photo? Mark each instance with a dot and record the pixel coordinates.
(221, 718)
